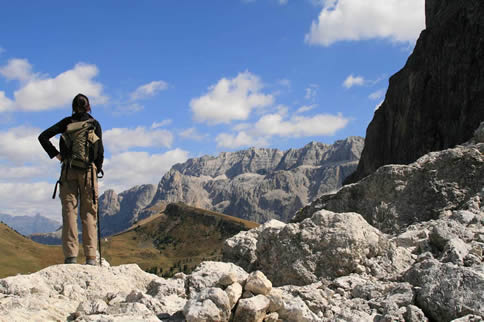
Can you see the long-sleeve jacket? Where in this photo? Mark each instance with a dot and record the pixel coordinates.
(60, 127)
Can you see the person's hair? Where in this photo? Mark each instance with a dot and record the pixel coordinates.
(80, 103)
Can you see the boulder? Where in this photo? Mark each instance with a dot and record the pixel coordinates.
(446, 291)
(252, 309)
(210, 304)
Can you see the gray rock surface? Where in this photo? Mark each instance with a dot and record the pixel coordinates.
(259, 184)
(436, 101)
(327, 245)
(396, 196)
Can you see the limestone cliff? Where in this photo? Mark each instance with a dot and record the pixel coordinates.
(437, 100)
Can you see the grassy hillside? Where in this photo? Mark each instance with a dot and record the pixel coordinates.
(177, 240)
(19, 254)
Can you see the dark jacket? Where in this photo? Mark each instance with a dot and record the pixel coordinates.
(60, 127)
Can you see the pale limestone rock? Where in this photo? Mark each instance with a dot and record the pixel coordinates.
(228, 279)
(252, 309)
(208, 274)
(272, 317)
(258, 283)
(211, 304)
(234, 292)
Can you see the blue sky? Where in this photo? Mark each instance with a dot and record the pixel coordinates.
(170, 80)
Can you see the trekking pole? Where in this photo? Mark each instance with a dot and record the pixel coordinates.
(99, 225)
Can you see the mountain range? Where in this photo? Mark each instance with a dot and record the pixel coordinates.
(256, 184)
(27, 225)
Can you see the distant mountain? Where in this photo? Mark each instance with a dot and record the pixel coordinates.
(27, 225)
(260, 184)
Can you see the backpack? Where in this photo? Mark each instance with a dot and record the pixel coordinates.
(80, 139)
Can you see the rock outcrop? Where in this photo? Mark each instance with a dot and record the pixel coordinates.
(437, 100)
(396, 196)
(261, 184)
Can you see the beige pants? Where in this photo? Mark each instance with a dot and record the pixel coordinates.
(77, 188)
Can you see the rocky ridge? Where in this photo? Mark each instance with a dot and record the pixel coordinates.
(327, 267)
(436, 101)
(260, 184)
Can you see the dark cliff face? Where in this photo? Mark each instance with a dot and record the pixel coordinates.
(437, 100)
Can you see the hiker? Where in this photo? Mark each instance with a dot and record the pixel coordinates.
(82, 155)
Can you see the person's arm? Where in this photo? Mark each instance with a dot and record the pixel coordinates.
(100, 152)
(44, 137)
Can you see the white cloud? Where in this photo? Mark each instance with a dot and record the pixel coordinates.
(192, 134)
(122, 139)
(305, 108)
(230, 99)
(6, 104)
(20, 144)
(351, 81)
(17, 69)
(282, 2)
(342, 20)
(128, 169)
(41, 93)
(377, 95)
(156, 125)
(300, 126)
(149, 89)
(29, 199)
(242, 139)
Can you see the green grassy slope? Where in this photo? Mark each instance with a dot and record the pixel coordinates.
(19, 254)
(177, 240)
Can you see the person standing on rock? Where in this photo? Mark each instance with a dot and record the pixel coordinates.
(82, 156)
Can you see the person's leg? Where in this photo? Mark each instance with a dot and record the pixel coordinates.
(68, 195)
(89, 214)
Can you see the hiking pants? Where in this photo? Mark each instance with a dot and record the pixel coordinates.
(76, 188)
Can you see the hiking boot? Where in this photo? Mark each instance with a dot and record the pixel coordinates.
(70, 260)
(91, 261)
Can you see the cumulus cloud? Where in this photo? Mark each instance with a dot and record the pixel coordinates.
(300, 126)
(283, 125)
(149, 90)
(20, 144)
(242, 139)
(6, 104)
(128, 169)
(39, 93)
(351, 81)
(17, 69)
(122, 139)
(230, 99)
(29, 199)
(343, 20)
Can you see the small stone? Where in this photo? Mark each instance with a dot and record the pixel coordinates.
(272, 317)
(258, 283)
(227, 279)
(234, 292)
(252, 310)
